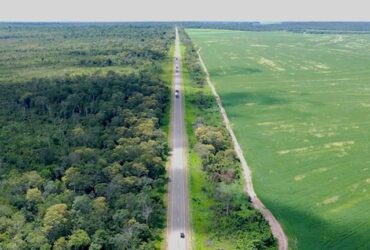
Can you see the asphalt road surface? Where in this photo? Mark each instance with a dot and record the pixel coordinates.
(178, 220)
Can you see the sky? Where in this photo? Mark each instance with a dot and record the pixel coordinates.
(185, 10)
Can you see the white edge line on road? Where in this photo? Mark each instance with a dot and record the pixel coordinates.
(184, 152)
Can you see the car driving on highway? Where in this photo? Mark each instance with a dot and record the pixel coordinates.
(177, 93)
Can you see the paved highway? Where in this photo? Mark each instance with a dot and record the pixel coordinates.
(178, 219)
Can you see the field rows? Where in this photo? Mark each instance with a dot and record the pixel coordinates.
(299, 105)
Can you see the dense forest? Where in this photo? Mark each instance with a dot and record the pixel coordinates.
(237, 221)
(308, 27)
(82, 154)
(33, 50)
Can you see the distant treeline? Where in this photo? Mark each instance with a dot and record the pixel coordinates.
(309, 27)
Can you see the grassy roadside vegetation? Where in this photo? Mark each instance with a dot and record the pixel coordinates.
(166, 77)
(222, 217)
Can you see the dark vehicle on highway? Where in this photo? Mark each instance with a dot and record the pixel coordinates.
(182, 235)
(177, 93)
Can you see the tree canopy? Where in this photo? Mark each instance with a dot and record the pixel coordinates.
(82, 156)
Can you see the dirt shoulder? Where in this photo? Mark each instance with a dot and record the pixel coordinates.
(275, 226)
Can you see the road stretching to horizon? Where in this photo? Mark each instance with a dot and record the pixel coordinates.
(178, 219)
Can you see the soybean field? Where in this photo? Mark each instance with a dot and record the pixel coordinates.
(299, 104)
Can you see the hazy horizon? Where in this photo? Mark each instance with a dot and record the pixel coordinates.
(179, 21)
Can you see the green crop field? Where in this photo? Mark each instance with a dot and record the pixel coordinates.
(300, 107)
